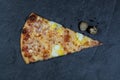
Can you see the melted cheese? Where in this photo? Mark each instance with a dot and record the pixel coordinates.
(60, 31)
(80, 39)
(53, 25)
(30, 51)
(60, 51)
(79, 36)
(57, 50)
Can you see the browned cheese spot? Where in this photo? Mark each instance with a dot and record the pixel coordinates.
(24, 31)
(66, 36)
(26, 54)
(45, 54)
(24, 48)
(32, 18)
(25, 34)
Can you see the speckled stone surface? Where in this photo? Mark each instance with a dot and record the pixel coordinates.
(98, 63)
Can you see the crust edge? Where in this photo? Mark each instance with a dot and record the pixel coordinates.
(21, 40)
(21, 45)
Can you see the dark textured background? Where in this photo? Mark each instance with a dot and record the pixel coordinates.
(98, 63)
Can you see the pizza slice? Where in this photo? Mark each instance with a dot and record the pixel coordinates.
(42, 39)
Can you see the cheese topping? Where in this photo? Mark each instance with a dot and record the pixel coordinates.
(57, 50)
(30, 51)
(81, 39)
(53, 25)
(60, 31)
(79, 36)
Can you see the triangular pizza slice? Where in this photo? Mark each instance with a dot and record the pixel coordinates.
(42, 39)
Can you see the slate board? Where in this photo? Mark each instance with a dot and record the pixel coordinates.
(98, 63)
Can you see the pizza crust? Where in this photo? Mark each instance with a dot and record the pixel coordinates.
(25, 58)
